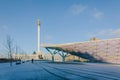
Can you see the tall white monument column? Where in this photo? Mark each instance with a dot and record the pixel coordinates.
(38, 36)
(39, 53)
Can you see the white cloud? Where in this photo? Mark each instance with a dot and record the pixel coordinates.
(105, 32)
(77, 9)
(115, 33)
(111, 33)
(48, 37)
(98, 14)
(3, 28)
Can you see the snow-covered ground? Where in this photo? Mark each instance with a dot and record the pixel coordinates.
(59, 71)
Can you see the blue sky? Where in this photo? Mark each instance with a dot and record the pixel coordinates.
(62, 21)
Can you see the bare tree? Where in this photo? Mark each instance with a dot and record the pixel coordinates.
(16, 53)
(10, 48)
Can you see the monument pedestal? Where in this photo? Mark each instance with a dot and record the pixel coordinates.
(39, 56)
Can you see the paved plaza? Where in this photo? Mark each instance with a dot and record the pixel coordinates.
(59, 71)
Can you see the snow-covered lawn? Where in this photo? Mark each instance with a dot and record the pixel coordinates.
(58, 71)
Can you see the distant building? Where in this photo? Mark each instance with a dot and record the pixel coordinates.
(24, 56)
(94, 39)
